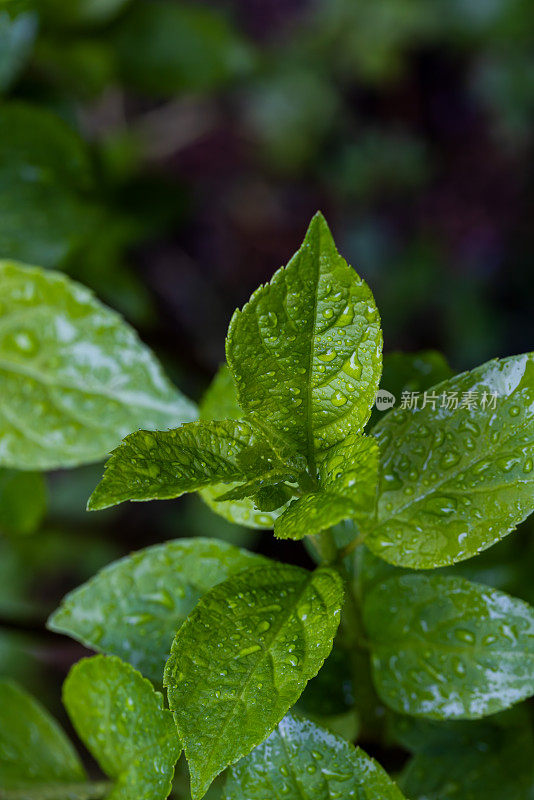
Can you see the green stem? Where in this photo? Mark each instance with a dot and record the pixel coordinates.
(325, 545)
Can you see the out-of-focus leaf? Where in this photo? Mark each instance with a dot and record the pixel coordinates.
(165, 48)
(17, 35)
(22, 501)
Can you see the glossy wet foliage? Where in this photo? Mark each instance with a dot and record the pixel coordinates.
(244, 656)
(239, 640)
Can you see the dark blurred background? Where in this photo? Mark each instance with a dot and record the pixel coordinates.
(170, 156)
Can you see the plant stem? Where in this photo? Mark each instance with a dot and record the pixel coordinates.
(325, 545)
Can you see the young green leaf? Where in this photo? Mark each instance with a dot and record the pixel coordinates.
(122, 722)
(159, 465)
(75, 378)
(456, 480)
(220, 402)
(302, 761)
(348, 475)
(488, 760)
(22, 501)
(243, 657)
(133, 607)
(306, 349)
(36, 758)
(446, 648)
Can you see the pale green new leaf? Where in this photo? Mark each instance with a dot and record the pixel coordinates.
(220, 402)
(348, 475)
(306, 349)
(302, 761)
(243, 657)
(446, 648)
(22, 501)
(35, 755)
(455, 481)
(133, 607)
(122, 722)
(74, 377)
(159, 465)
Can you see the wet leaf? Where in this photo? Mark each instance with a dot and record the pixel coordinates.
(133, 607)
(455, 481)
(35, 753)
(446, 648)
(302, 761)
(243, 657)
(348, 474)
(220, 402)
(306, 349)
(74, 377)
(159, 465)
(122, 722)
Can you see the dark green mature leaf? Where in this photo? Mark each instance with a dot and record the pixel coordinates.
(348, 474)
(74, 377)
(158, 465)
(17, 35)
(35, 754)
(446, 648)
(122, 722)
(133, 607)
(454, 482)
(220, 402)
(302, 761)
(488, 760)
(243, 657)
(306, 349)
(22, 501)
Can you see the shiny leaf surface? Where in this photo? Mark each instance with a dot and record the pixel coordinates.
(306, 349)
(348, 474)
(446, 648)
(74, 377)
(122, 722)
(455, 481)
(302, 761)
(243, 657)
(133, 607)
(159, 465)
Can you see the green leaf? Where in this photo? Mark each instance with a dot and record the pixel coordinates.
(17, 35)
(35, 754)
(446, 648)
(75, 378)
(243, 657)
(454, 482)
(122, 722)
(220, 402)
(159, 465)
(22, 501)
(306, 349)
(488, 760)
(348, 474)
(133, 607)
(302, 761)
